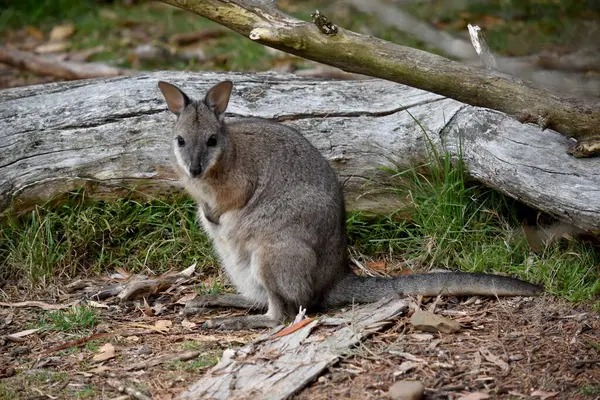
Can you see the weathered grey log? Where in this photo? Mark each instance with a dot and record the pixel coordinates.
(110, 134)
(276, 368)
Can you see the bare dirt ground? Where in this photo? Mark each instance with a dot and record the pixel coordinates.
(508, 348)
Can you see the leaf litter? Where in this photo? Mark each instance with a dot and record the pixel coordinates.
(539, 347)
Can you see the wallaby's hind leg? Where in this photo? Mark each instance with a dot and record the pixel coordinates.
(199, 304)
(271, 319)
(283, 266)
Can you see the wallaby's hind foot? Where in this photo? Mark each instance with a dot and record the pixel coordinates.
(243, 322)
(200, 304)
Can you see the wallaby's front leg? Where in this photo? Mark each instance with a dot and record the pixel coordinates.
(199, 304)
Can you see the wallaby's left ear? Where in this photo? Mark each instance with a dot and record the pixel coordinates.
(176, 99)
(217, 97)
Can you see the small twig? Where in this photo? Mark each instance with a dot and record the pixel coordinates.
(132, 392)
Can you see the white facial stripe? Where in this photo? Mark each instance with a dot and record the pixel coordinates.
(181, 162)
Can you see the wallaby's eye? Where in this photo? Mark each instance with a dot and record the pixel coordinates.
(212, 141)
(180, 141)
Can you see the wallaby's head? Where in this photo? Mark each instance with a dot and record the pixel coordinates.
(199, 138)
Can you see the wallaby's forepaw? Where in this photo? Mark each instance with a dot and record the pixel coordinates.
(240, 323)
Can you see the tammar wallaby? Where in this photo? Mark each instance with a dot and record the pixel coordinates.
(274, 210)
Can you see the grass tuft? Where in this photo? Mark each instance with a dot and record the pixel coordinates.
(455, 224)
(80, 237)
(75, 319)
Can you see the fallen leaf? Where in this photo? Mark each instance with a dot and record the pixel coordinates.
(106, 352)
(85, 55)
(188, 324)
(543, 395)
(163, 325)
(186, 298)
(405, 367)
(429, 322)
(503, 365)
(52, 47)
(61, 32)
(475, 396)
(294, 327)
(99, 369)
(147, 309)
(35, 33)
(123, 273)
(22, 334)
(378, 266)
(188, 271)
(422, 336)
(158, 308)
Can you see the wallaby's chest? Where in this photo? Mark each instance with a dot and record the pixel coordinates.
(236, 254)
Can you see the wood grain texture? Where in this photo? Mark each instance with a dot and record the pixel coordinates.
(111, 134)
(276, 368)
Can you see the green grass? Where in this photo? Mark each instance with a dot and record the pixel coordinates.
(455, 224)
(7, 393)
(74, 319)
(205, 361)
(591, 390)
(82, 237)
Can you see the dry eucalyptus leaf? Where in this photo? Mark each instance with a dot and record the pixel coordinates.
(163, 325)
(429, 322)
(22, 334)
(503, 365)
(52, 47)
(188, 324)
(61, 32)
(187, 297)
(106, 352)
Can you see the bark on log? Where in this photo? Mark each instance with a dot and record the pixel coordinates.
(263, 22)
(110, 134)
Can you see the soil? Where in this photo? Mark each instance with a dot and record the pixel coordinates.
(506, 348)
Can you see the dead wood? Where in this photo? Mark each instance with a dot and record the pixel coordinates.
(46, 65)
(530, 68)
(111, 135)
(263, 22)
(277, 367)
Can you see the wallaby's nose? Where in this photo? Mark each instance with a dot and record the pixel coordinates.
(195, 171)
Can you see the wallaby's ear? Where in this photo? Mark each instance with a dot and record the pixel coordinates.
(217, 97)
(176, 99)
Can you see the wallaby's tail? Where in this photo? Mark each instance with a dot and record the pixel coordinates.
(358, 289)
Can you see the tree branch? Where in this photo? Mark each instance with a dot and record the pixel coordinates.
(264, 23)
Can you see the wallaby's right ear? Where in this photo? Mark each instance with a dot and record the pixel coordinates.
(176, 99)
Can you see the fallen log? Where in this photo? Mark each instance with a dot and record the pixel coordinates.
(111, 134)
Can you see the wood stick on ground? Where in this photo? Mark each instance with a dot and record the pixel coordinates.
(263, 22)
(69, 70)
(136, 394)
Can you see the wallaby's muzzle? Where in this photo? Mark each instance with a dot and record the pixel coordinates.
(195, 171)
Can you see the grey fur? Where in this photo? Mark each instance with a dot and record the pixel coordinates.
(282, 239)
